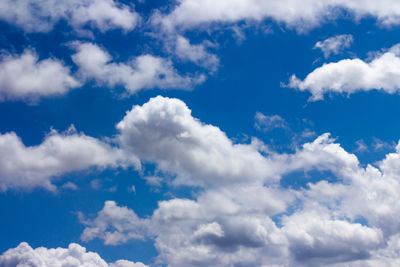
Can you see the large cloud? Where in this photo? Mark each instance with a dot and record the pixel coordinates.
(41, 16)
(300, 14)
(352, 75)
(73, 256)
(164, 132)
(143, 72)
(244, 217)
(59, 153)
(25, 77)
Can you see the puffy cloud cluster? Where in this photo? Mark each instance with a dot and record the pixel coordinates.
(352, 75)
(335, 44)
(252, 220)
(143, 72)
(41, 16)
(59, 153)
(73, 256)
(25, 77)
(164, 132)
(302, 15)
(240, 215)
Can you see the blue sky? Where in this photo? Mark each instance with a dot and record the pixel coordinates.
(199, 133)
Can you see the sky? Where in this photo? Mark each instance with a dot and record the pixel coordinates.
(199, 133)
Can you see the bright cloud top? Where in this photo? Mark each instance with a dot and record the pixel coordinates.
(300, 14)
(143, 72)
(335, 45)
(34, 16)
(73, 256)
(25, 77)
(352, 75)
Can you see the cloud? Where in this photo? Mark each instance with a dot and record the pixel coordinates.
(314, 225)
(111, 217)
(164, 132)
(301, 15)
(143, 72)
(27, 167)
(73, 256)
(196, 54)
(25, 77)
(268, 123)
(335, 44)
(352, 75)
(247, 218)
(103, 15)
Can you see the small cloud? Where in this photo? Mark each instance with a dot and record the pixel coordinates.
(361, 146)
(335, 45)
(132, 189)
(95, 184)
(268, 123)
(69, 186)
(153, 180)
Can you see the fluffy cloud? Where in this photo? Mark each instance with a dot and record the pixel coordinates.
(164, 132)
(34, 16)
(73, 256)
(304, 14)
(128, 225)
(245, 220)
(352, 75)
(335, 44)
(59, 153)
(25, 77)
(143, 72)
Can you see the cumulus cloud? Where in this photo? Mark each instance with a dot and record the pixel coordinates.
(268, 123)
(111, 217)
(302, 15)
(250, 219)
(73, 256)
(314, 225)
(164, 132)
(352, 75)
(143, 72)
(27, 167)
(25, 77)
(34, 16)
(335, 44)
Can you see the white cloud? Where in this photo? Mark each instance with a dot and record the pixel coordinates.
(335, 44)
(34, 16)
(299, 14)
(352, 75)
(127, 224)
(245, 220)
(143, 72)
(195, 53)
(268, 123)
(25, 77)
(164, 132)
(73, 256)
(27, 167)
